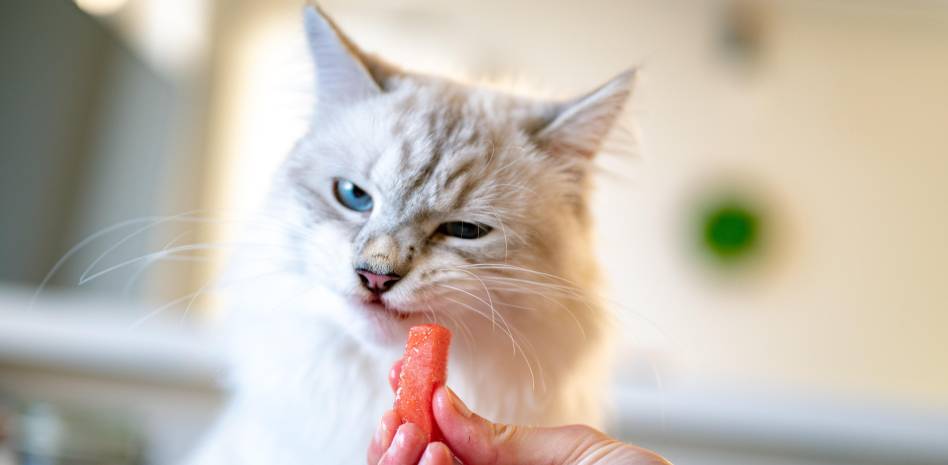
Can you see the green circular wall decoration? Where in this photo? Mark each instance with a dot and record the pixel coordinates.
(729, 230)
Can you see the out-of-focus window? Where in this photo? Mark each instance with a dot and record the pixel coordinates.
(102, 127)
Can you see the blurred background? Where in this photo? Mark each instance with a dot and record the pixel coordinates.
(775, 238)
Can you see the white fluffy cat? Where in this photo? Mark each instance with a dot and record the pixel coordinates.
(416, 199)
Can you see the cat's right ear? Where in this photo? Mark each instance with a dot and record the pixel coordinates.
(579, 126)
(344, 74)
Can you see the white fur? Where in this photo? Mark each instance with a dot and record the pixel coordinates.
(310, 363)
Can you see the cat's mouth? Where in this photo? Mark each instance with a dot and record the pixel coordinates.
(375, 304)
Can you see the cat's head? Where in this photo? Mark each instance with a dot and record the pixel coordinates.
(427, 199)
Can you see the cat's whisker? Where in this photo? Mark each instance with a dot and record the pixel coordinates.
(513, 340)
(503, 229)
(121, 241)
(525, 356)
(482, 285)
(469, 307)
(568, 290)
(434, 318)
(151, 314)
(172, 257)
(150, 221)
(575, 294)
(134, 277)
(508, 266)
(474, 309)
(489, 303)
(188, 217)
(518, 341)
(79, 246)
(579, 294)
(465, 331)
(187, 309)
(191, 296)
(535, 289)
(430, 312)
(512, 332)
(544, 296)
(171, 252)
(571, 291)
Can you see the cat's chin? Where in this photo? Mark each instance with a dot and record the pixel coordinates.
(382, 323)
(377, 307)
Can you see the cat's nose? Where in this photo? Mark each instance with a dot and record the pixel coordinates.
(377, 283)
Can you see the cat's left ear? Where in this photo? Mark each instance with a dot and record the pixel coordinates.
(344, 73)
(578, 127)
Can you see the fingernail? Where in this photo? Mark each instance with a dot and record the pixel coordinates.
(406, 434)
(427, 457)
(380, 435)
(400, 438)
(458, 405)
(383, 435)
(432, 452)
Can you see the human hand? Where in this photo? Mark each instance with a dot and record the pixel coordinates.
(474, 440)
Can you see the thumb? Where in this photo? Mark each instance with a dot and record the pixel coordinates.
(477, 441)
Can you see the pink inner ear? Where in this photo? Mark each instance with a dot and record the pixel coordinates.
(344, 73)
(582, 125)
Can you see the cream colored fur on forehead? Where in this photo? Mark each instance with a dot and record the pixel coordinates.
(440, 141)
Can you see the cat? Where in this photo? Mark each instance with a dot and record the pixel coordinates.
(415, 199)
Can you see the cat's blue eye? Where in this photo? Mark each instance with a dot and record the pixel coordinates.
(352, 196)
(464, 230)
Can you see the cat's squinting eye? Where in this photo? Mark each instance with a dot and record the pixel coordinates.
(464, 230)
(352, 196)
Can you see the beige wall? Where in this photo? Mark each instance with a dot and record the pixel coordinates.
(840, 133)
(843, 134)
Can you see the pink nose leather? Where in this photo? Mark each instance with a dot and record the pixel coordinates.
(376, 282)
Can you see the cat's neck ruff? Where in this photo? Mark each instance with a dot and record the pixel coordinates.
(495, 364)
(301, 382)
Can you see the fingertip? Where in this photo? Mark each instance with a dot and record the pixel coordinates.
(409, 433)
(439, 448)
(390, 420)
(383, 436)
(436, 453)
(441, 400)
(389, 426)
(442, 409)
(467, 435)
(448, 403)
(406, 447)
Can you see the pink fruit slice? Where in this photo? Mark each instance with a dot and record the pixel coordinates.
(424, 368)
